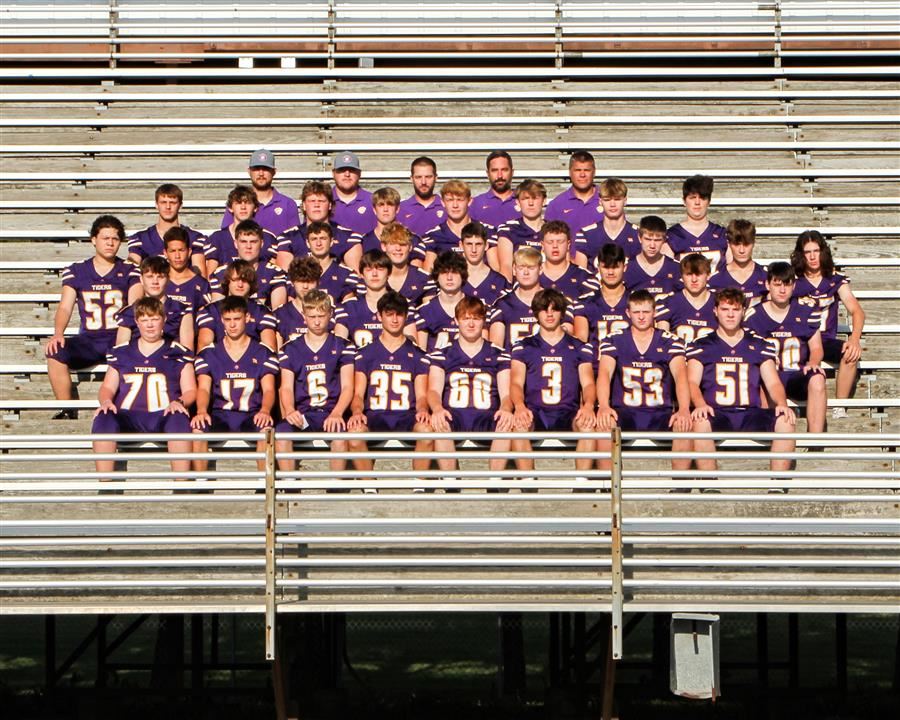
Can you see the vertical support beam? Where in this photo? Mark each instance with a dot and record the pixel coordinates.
(793, 651)
(617, 577)
(270, 545)
(840, 651)
(762, 650)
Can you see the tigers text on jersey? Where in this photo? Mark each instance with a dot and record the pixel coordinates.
(236, 384)
(317, 373)
(470, 382)
(391, 376)
(642, 379)
(100, 297)
(551, 371)
(148, 383)
(731, 376)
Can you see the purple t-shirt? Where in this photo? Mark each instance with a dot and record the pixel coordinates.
(573, 283)
(731, 376)
(591, 238)
(147, 383)
(791, 335)
(236, 384)
(440, 326)
(551, 371)
(642, 379)
(470, 382)
(174, 314)
(666, 280)
(195, 293)
(391, 376)
(574, 212)
(100, 297)
(516, 315)
(418, 218)
(754, 287)
(489, 209)
(686, 321)
(357, 214)
(148, 243)
(825, 294)
(276, 216)
(293, 240)
(712, 243)
(602, 318)
(317, 373)
(269, 277)
(520, 234)
(260, 319)
(221, 248)
(489, 289)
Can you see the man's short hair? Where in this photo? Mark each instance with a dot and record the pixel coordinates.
(741, 232)
(240, 270)
(638, 297)
(731, 296)
(149, 307)
(611, 255)
(701, 185)
(474, 229)
(176, 234)
(531, 187)
(392, 301)
(580, 156)
(450, 261)
(386, 195)
(695, 264)
(315, 187)
(498, 154)
(469, 305)
(320, 226)
(304, 269)
(242, 193)
(613, 187)
(781, 271)
(155, 264)
(528, 256)
(248, 227)
(234, 303)
(107, 221)
(652, 223)
(317, 300)
(423, 160)
(549, 298)
(456, 187)
(169, 190)
(556, 227)
(375, 258)
(395, 234)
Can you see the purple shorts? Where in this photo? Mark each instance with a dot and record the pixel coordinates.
(472, 420)
(138, 421)
(743, 420)
(796, 383)
(85, 350)
(631, 419)
(315, 418)
(832, 347)
(546, 421)
(224, 421)
(391, 421)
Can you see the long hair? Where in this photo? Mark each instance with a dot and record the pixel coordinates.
(798, 259)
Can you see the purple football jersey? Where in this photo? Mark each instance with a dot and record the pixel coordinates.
(441, 238)
(731, 377)
(174, 314)
(489, 289)
(360, 320)
(754, 287)
(470, 382)
(603, 319)
(642, 379)
(148, 383)
(712, 243)
(260, 319)
(221, 248)
(356, 214)
(391, 376)
(419, 218)
(269, 277)
(686, 321)
(195, 293)
(551, 371)
(236, 384)
(667, 278)
(293, 240)
(489, 209)
(590, 239)
(416, 285)
(520, 234)
(516, 315)
(339, 281)
(573, 283)
(148, 243)
(790, 335)
(437, 322)
(574, 212)
(100, 297)
(317, 373)
(276, 216)
(826, 295)
(289, 321)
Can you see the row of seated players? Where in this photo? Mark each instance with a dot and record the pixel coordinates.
(645, 379)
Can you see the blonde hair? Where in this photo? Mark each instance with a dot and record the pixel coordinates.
(456, 187)
(395, 233)
(317, 300)
(528, 256)
(386, 195)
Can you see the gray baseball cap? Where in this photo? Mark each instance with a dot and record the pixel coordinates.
(346, 159)
(262, 158)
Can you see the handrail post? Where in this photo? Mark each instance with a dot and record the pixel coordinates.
(270, 544)
(616, 543)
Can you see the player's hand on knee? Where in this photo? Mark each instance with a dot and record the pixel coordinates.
(681, 421)
(584, 418)
(200, 421)
(851, 351)
(423, 417)
(504, 421)
(523, 418)
(786, 413)
(812, 369)
(262, 419)
(703, 412)
(175, 407)
(606, 418)
(333, 424)
(357, 422)
(295, 418)
(54, 344)
(440, 420)
(106, 407)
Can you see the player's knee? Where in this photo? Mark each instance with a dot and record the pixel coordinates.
(817, 383)
(702, 426)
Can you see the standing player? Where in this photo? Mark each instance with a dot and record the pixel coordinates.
(149, 242)
(559, 272)
(696, 233)
(276, 212)
(483, 283)
(793, 326)
(100, 286)
(147, 388)
(726, 371)
(185, 285)
(511, 318)
(498, 205)
(435, 319)
(602, 312)
(422, 210)
(357, 319)
(456, 197)
(290, 322)
(817, 279)
(468, 385)
(410, 281)
(271, 282)
(352, 206)
(238, 279)
(689, 313)
(316, 380)
(578, 206)
(651, 270)
(390, 390)
(524, 230)
(179, 324)
(552, 379)
(221, 246)
(642, 380)
(235, 381)
(612, 227)
(741, 271)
